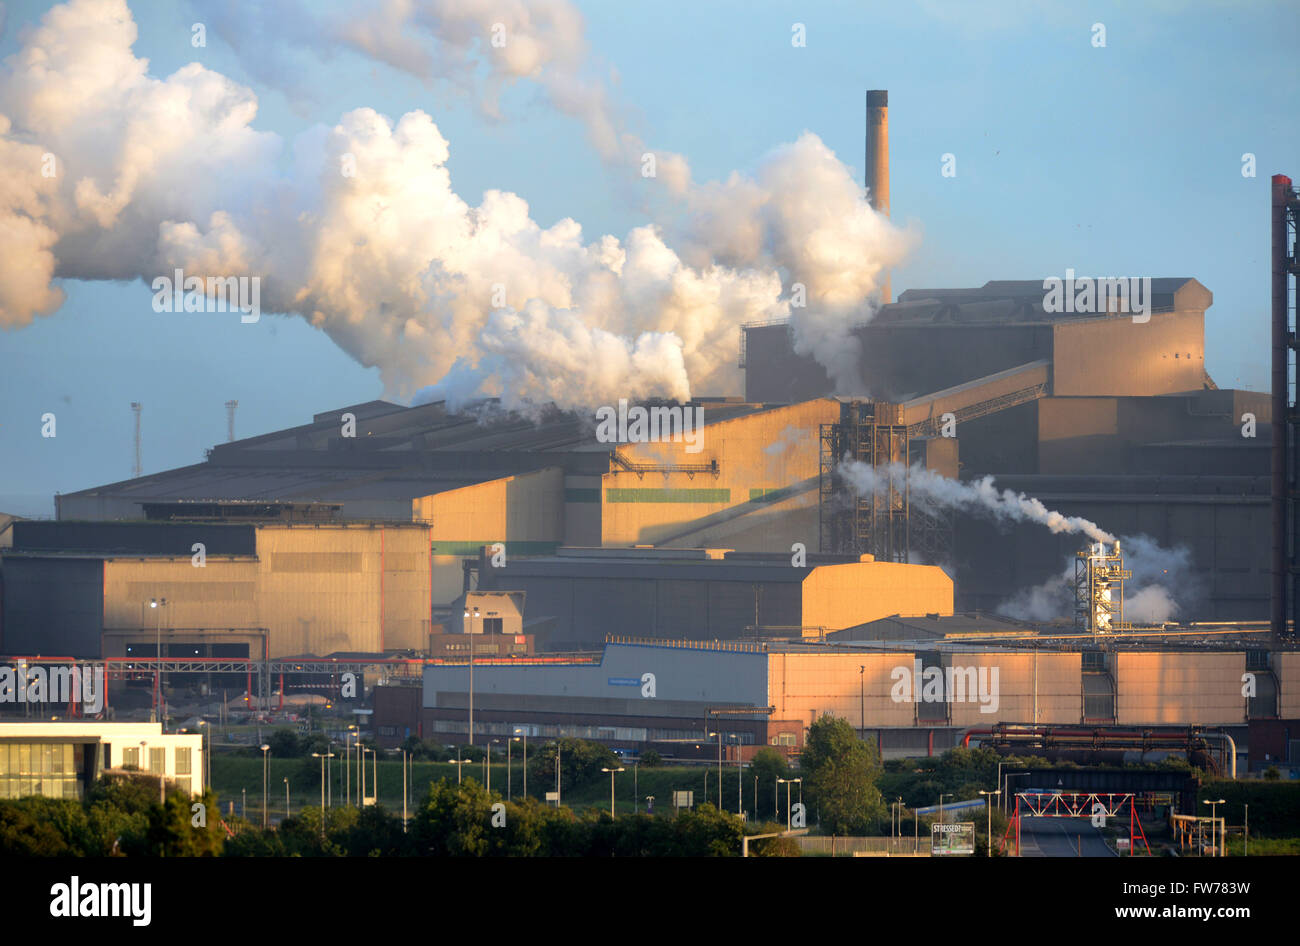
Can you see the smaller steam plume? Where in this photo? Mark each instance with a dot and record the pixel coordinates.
(1148, 599)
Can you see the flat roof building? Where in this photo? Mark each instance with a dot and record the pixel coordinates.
(63, 759)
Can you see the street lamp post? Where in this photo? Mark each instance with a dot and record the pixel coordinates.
(788, 782)
(1006, 785)
(207, 754)
(557, 776)
(264, 747)
(740, 772)
(157, 604)
(989, 799)
(286, 797)
(322, 756)
(374, 781)
(524, 739)
(1214, 847)
(347, 762)
(458, 762)
(488, 762)
(706, 794)
(1245, 840)
(611, 787)
(470, 634)
(862, 701)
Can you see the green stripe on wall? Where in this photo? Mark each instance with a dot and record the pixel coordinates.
(512, 548)
(582, 495)
(668, 495)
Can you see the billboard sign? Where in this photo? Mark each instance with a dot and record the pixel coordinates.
(952, 839)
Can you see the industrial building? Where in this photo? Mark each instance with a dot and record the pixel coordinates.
(264, 590)
(1102, 416)
(671, 694)
(482, 478)
(712, 594)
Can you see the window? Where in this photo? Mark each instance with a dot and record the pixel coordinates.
(158, 761)
(183, 760)
(38, 769)
(131, 758)
(492, 625)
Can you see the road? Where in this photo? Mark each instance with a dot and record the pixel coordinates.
(1061, 837)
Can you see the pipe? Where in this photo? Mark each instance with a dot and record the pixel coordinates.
(877, 163)
(1230, 747)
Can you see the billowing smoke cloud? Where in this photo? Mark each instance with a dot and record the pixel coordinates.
(1155, 569)
(114, 174)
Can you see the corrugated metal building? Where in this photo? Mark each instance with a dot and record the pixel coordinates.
(661, 691)
(712, 594)
(268, 589)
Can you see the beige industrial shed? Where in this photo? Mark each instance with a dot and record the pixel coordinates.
(274, 589)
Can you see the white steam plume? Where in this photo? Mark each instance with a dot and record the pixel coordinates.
(1155, 569)
(389, 261)
(980, 496)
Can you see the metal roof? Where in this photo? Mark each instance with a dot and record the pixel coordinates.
(398, 453)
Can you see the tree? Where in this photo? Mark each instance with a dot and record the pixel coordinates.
(172, 833)
(580, 763)
(650, 759)
(454, 821)
(839, 772)
(767, 766)
(284, 744)
(41, 827)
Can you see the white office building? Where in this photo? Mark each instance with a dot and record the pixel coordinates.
(62, 759)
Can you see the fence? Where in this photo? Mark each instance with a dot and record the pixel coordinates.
(864, 847)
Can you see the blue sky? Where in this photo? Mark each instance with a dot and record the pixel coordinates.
(1123, 160)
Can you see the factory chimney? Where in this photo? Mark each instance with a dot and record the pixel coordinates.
(138, 468)
(877, 163)
(230, 420)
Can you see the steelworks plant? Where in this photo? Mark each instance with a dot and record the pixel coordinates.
(362, 532)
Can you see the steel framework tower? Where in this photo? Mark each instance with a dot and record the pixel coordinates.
(882, 521)
(1099, 576)
(865, 521)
